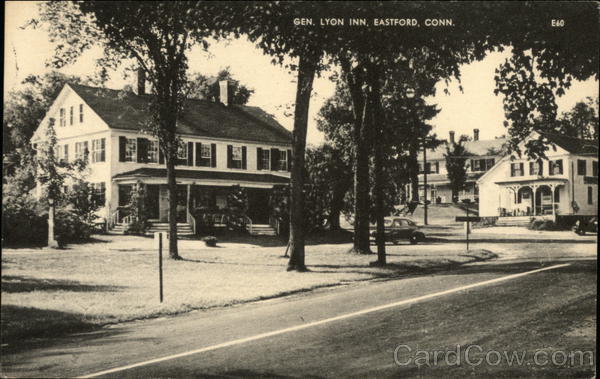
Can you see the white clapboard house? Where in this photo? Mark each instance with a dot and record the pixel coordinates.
(565, 185)
(223, 145)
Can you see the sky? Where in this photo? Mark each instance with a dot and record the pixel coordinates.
(26, 52)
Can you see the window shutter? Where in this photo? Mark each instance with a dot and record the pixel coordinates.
(274, 159)
(142, 150)
(190, 157)
(244, 157)
(437, 167)
(86, 151)
(289, 160)
(66, 152)
(122, 147)
(229, 156)
(521, 168)
(541, 167)
(531, 168)
(161, 156)
(259, 158)
(213, 155)
(198, 153)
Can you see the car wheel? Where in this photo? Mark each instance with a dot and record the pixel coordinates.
(395, 241)
(414, 239)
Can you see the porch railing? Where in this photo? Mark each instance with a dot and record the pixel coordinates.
(248, 223)
(191, 221)
(114, 219)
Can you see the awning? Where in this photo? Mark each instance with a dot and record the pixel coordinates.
(142, 173)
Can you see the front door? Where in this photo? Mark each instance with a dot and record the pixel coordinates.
(258, 206)
(152, 201)
(181, 203)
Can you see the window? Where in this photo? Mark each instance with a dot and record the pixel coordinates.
(80, 113)
(595, 168)
(476, 165)
(265, 159)
(556, 167)
(131, 150)
(59, 152)
(182, 150)
(81, 150)
(282, 160)
(152, 150)
(489, 163)
(62, 121)
(71, 116)
(236, 157)
(536, 168)
(99, 193)
(590, 195)
(516, 169)
(581, 167)
(205, 151)
(98, 150)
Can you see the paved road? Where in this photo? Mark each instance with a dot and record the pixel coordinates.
(526, 313)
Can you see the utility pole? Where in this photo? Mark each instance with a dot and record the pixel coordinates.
(424, 181)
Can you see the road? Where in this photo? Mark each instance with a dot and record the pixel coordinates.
(548, 311)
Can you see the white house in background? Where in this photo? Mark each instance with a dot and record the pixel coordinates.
(563, 185)
(485, 154)
(223, 145)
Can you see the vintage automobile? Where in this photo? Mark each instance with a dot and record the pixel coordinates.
(398, 229)
(583, 226)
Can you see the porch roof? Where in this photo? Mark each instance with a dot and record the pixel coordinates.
(534, 181)
(206, 175)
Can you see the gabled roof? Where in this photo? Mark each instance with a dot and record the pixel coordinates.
(479, 148)
(126, 110)
(572, 144)
(147, 172)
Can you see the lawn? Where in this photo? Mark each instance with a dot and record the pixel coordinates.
(115, 278)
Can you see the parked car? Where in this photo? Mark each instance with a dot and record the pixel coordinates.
(582, 226)
(399, 228)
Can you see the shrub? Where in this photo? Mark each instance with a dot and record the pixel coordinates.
(70, 227)
(137, 228)
(23, 221)
(537, 224)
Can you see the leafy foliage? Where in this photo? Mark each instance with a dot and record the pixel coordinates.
(203, 87)
(456, 165)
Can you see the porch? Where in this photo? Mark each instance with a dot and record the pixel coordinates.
(214, 202)
(527, 199)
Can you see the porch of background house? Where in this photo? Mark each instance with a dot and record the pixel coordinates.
(199, 209)
(519, 203)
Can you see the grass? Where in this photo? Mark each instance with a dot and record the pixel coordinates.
(115, 278)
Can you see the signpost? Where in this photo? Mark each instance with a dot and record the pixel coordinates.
(467, 219)
(158, 236)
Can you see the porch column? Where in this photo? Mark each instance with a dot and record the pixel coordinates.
(534, 190)
(188, 203)
(552, 188)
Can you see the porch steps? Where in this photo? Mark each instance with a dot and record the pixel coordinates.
(183, 229)
(261, 230)
(513, 221)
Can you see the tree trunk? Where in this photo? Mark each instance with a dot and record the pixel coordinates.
(52, 243)
(377, 126)
(172, 189)
(306, 74)
(355, 80)
(337, 203)
(413, 152)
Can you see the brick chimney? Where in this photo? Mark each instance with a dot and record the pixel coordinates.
(141, 81)
(451, 136)
(224, 95)
(475, 134)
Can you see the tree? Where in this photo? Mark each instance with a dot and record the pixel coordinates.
(154, 35)
(203, 87)
(456, 165)
(24, 109)
(581, 120)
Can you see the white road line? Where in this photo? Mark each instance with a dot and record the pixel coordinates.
(320, 322)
